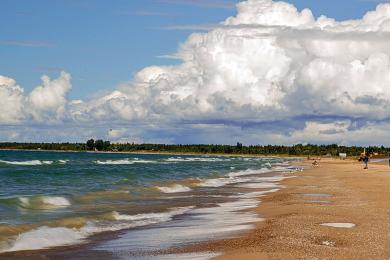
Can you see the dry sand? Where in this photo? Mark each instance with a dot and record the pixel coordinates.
(293, 231)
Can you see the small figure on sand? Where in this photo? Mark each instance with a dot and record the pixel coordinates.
(365, 157)
(315, 164)
(365, 160)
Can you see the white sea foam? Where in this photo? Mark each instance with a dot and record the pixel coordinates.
(45, 237)
(63, 161)
(153, 217)
(219, 182)
(131, 221)
(202, 224)
(28, 163)
(174, 189)
(196, 159)
(248, 172)
(115, 162)
(339, 225)
(126, 161)
(249, 177)
(56, 201)
(44, 202)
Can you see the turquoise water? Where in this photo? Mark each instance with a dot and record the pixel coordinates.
(87, 193)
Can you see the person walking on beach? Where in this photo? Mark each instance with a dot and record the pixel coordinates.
(365, 160)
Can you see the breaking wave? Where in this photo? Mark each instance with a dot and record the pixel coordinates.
(32, 162)
(174, 188)
(43, 202)
(47, 237)
(126, 161)
(197, 159)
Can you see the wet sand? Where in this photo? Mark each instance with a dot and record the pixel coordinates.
(294, 216)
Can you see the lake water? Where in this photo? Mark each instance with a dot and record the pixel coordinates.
(51, 199)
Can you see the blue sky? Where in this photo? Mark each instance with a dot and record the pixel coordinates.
(102, 43)
(269, 74)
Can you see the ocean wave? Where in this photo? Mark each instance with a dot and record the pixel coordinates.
(174, 188)
(48, 237)
(114, 162)
(45, 237)
(123, 221)
(31, 162)
(43, 202)
(34, 162)
(152, 218)
(63, 161)
(197, 159)
(126, 161)
(221, 221)
(249, 172)
(219, 182)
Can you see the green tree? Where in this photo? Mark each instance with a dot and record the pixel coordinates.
(90, 144)
(99, 145)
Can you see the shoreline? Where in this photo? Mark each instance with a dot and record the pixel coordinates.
(336, 192)
(299, 219)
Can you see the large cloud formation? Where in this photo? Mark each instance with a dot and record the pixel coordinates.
(45, 103)
(270, 74)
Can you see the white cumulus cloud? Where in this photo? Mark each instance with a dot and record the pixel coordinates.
(12, 101)
(269, 61)
(46, 102)
(269, 64)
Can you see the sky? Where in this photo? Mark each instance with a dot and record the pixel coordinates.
(195, 71)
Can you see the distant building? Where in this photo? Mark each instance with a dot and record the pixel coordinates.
(343, 156)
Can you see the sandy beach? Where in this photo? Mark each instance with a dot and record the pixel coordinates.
(336, 192)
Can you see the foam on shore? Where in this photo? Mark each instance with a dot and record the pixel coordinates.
(201, 224)
(176, 188)
(47, 237)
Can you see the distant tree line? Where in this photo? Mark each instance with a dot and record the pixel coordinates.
(294, 150)
(99, 145)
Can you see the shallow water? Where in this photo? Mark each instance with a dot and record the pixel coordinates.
(50, 199)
